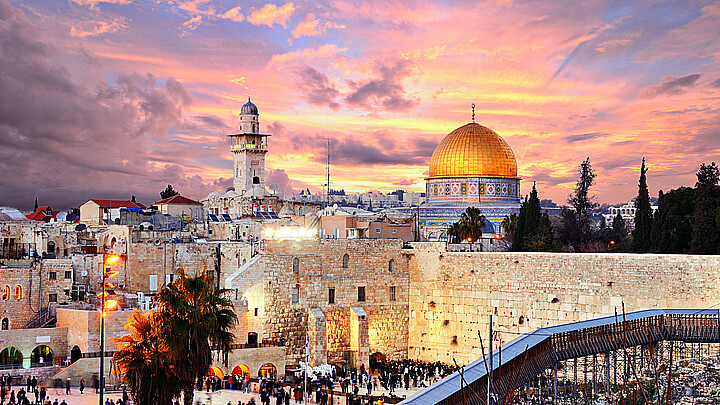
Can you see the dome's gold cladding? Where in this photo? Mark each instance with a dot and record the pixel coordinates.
(473, 151)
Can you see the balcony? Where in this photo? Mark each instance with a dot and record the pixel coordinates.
(248, 146)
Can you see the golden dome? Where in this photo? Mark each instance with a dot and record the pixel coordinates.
(473, 151)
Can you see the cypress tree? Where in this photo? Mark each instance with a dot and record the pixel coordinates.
(705, 235)
(618, 228)
(643, 216)
(661, 227)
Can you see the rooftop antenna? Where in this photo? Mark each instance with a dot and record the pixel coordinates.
(327, 169)
(473, 112)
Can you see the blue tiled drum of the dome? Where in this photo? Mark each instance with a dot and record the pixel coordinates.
(478, 190)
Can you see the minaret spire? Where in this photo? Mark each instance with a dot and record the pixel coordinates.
(473, 112)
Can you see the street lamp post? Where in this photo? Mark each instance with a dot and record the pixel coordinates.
(106, 304)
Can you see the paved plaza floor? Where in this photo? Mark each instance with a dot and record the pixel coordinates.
(220, 397)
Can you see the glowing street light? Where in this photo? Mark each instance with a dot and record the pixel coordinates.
(106, 305)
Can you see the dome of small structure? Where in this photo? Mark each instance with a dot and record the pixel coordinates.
(249, 108)
(473, 151)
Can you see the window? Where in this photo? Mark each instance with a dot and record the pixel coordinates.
(346, 261)
(377, 230)
(391, 266)
(256, 311)
(153, 282)
(53, 275)
(392, 293)
(361, 293)
(394, 230)
(295, 295)
(296, 265)
(18, 292)
(52, 298)
(331, 296)
(6, 292)
(5, 324)
(68, 274)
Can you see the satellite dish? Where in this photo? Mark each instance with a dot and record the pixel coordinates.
(80, 227)
(84, 273)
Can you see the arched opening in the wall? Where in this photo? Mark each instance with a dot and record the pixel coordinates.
(75, 354)
(113, 241)
(11, 357)
(296, 265)
(215, 372)
(252, 339)
(241, 370)
(432, 236)
(391, 265)
(51, 248)
(6, 292)
(377, 359)
(18, 292)
(41, 356)
(443, 236)
(346, 261)
(5, 324)
(268, 370)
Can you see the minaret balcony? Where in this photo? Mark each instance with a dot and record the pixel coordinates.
(248, 146)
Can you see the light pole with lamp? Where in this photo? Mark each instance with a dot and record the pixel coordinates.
(106, 304)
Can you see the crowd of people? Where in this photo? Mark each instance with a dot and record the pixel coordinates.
(33, 393)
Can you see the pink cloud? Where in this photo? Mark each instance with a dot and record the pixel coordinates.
(271, 14)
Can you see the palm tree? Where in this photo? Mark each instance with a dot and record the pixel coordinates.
(473, 221)
(470, 226)
(196, 317)
(143, 364)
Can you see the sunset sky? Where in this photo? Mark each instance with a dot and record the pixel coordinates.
(108, 99)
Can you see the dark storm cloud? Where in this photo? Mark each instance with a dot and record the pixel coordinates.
(316, 87)
(379, 148)
(584, 137)
(671, 86)
(65, 141)
(384, 93)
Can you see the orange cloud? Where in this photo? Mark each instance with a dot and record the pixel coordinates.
(271, 14)
(233, 15)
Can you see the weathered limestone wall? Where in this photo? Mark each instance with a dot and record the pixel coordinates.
(26, 340)
(320, 268)
(84, 328)
(452, 294)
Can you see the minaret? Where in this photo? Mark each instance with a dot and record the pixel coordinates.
(249, 147)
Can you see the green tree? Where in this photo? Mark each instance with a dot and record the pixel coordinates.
(532, 231)
(142, 362)
(168, 192)
(705, 236)
(619, 229)
(196, 318)
(575, 225)
(672, 228)
(641, 242)
(470, 226)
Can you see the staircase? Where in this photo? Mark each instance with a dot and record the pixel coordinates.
(45, 319)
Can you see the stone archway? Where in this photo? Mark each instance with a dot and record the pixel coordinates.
(5, 324)
(75, 354)
(377, 360)
(268, 370)
(240, 370)
(41, 356)
(11, 357)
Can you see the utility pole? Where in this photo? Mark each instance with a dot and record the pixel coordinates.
(490, 373)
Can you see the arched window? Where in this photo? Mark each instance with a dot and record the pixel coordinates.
(18, 292)
(296, 265)
(346, 261)
(5, 324)
(391, 266)
(6, 292)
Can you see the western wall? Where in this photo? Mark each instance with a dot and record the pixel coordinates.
(453, 294)
(442, 299)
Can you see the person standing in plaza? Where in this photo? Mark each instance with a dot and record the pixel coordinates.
(82, 384)
(67, 386)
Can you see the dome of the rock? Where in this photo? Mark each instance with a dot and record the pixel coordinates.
(473, 151)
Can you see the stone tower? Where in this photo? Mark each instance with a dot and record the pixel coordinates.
(249, 147)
